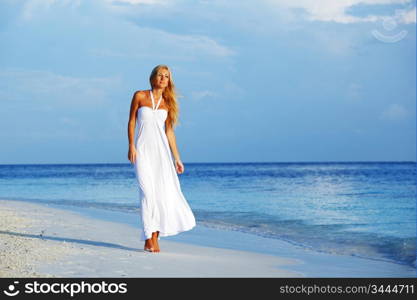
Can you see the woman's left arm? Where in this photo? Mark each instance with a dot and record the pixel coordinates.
(173, 145)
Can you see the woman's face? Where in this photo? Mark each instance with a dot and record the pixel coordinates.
(162, 78)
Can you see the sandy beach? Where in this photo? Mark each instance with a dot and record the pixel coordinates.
(40, 240)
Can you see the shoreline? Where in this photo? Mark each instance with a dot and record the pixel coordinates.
(44, 240)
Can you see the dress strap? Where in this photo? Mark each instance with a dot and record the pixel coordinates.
(153, 101)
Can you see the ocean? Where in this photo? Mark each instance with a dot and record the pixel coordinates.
(364, 209)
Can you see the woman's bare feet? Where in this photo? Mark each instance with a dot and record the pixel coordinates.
(155, 244)
(149, 246)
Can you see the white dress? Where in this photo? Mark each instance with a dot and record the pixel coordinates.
(163, 205)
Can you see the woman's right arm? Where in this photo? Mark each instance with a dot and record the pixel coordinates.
(131, 127)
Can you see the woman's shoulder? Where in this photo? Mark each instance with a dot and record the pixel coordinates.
(139, 95)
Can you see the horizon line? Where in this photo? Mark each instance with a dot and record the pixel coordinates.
(227, 162)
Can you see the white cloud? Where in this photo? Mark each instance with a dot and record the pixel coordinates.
(186, 46)
(181, 46)
(127, 7)
(335, 10)
(199, 95)
(335, 43)
(316, 10)
(197, 43)
(136, 2)
(394, 112)
(49, 88)
(33, 8)
(408, 16)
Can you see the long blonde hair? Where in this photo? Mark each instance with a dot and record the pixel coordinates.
(169, 94)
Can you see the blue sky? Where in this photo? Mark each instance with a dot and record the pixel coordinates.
(259, 81)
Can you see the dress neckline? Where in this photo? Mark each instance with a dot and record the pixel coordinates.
(153, 101)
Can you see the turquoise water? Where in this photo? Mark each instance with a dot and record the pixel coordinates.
(362, 209)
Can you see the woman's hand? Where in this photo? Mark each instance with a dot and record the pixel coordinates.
(179, 166)
(131, 155)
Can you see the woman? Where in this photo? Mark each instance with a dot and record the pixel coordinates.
(164, 209)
